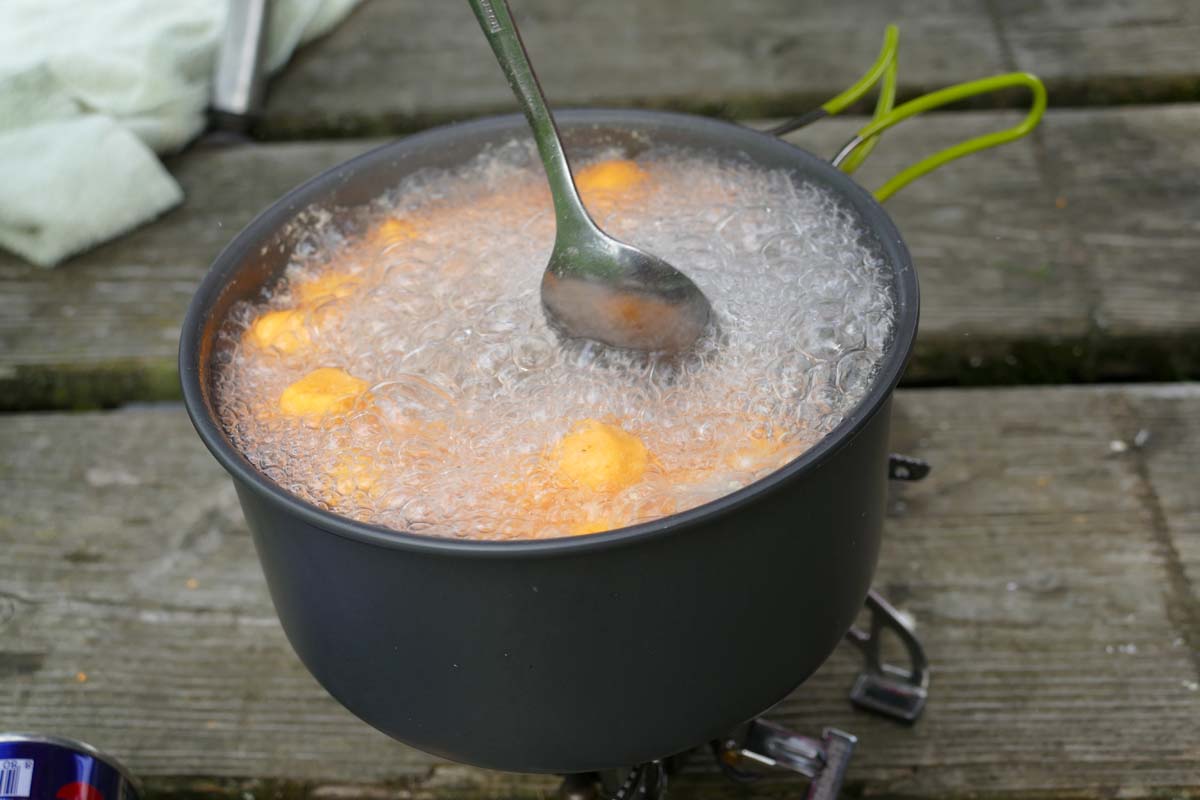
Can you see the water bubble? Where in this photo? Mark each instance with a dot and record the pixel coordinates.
(530, 353)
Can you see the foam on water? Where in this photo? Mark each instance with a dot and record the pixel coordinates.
(470, 389)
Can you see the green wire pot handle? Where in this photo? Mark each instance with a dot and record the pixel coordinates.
(950, 94)
(882, 72)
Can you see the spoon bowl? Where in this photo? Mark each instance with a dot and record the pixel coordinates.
(595, 287)
(612, 292)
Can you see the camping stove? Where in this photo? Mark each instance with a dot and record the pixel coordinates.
(890, 690)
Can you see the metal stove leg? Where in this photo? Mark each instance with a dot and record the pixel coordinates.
(884, 688)
(766, 744)
(906, 468)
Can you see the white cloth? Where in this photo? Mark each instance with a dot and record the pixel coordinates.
(91, 89)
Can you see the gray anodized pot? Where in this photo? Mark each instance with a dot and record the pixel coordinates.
(575, 654)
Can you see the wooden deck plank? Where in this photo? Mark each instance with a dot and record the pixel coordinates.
(397, 65)
(1015, 288)
(1172, 493)
(1041, 561)
(1104, 52)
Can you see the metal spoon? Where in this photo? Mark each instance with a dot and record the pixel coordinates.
(595, 287)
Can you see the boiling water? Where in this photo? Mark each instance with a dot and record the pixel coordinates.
(470, 391)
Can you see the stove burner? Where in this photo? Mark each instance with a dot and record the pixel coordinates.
(644, 782)
(881, 688)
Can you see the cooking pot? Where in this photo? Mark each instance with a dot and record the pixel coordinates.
(582, 653)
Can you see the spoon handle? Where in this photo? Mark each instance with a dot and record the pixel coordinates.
(502, 34)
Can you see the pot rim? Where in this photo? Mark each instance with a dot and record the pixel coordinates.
(873, 216)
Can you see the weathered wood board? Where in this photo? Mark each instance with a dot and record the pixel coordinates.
(401, 64)
(1050, 560)
(1074, 255)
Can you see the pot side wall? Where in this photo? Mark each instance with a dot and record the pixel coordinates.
(592, 660)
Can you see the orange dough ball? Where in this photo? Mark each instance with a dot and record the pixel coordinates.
(613, 175)
(282, 330)
(759, 452)
(593, 526)
(323, 391)
(395, 230)
(600, 457)
(354, 473)
(330, 286)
